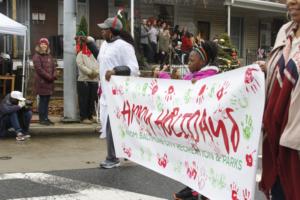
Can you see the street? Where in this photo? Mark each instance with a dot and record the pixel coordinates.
(66, 167)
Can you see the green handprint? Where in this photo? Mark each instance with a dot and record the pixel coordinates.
(122, 132)
(144, 90)
(187, 96)
(149, 154)
(159, 104)
(212, 90)
(247, 127)
(126, 85)
(178, 167)
(239, 102)
(142, 153)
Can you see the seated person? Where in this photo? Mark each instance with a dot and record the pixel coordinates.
(16, 115)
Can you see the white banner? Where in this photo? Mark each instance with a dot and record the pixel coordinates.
(205, 135)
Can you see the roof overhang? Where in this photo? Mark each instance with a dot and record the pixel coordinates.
(257, 5)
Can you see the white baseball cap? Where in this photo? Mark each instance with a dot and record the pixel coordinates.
(17, 95)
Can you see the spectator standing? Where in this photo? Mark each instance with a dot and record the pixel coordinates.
(153, 35)
(45, 75)
(145, 40)
(116, 57)
(281, 134)
(87, 81)
(164, 44)
(15, 114)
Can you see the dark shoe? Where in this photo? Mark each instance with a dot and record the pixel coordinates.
(107, 164)
(45, 122)
(50, 122)
(186, 193)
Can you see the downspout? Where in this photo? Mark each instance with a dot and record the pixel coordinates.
(228, 19)
(132, 17)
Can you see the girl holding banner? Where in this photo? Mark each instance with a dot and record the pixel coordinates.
(201, 61)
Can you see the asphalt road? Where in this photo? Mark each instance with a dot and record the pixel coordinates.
(65, 168)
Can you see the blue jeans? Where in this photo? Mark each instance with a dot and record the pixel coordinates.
(43, 107)
(19, 121)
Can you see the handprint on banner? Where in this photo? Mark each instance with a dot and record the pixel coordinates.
(191, 170)
(178, 167)
(250, 81)
(149, 154)
(249, 159)
(234, 191)
(247, 127)
(117, 90)
(200, 97)
(202, 178)
(154, 87)
(239, 102)
(142, 153)
(159, 104)
(117, 112)
(162, 161)
(187, 96)
(216, 180)
(122, 132)
(246, 194)
(212, 90)
(170, 93)
(219, 114)
(144, 89)
(222, 90)
(127, 150)
(127, 81)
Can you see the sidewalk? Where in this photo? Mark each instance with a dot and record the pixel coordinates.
(60, 128)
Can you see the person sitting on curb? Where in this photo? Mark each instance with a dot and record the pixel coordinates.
(15, 114)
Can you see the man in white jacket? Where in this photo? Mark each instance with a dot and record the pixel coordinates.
(116, 57)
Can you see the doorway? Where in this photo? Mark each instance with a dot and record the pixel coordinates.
(204, 29)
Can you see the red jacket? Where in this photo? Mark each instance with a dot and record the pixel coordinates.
(45, 73)
(187, 44)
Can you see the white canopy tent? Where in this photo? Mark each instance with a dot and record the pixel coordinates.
(11, 27)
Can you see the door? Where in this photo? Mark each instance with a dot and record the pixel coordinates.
(204, 29)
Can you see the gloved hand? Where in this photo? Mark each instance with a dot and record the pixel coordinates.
(21, 104)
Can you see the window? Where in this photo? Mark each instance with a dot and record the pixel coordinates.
(237, 34)
(165, 13)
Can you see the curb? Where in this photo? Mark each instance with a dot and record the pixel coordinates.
(59, 129)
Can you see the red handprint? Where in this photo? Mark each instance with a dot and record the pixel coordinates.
(222, 90)
(154, 87)
(192, 170)
(234, 191)
(246, 194)
(250, 82)
(117, 90)
(200, 97)
(127, 151)
(170, 92)
(162, 161)
(249, 159)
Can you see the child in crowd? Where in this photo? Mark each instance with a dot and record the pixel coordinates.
(201, 60)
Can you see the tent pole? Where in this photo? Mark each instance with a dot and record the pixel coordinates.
(23, 73)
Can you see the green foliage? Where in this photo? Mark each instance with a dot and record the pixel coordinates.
(83, 26)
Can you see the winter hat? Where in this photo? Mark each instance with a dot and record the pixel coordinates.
(113, 22)
(44, 41)
(17, 95)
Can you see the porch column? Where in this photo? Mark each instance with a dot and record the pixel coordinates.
(70, 94)
(228, 19)
(132, 17)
